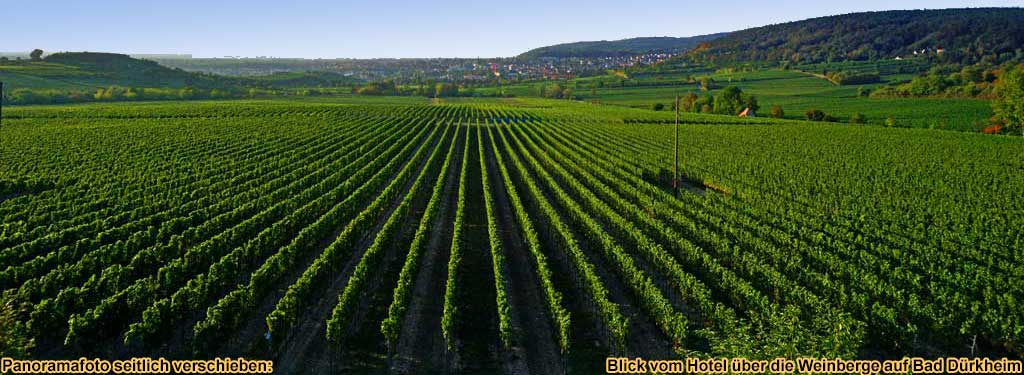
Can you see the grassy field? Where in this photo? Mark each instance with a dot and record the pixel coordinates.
(40, 75)
(474, 235)
(796, 92)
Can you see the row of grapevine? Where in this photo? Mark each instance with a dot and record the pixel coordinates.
(355, 287)
(497, 251)
(450, 313)
(614, 321)
(648, 295)
(289, 308)
(230, 311)
(165, 313)
(175, 271)
(390, 327)
(556, 308)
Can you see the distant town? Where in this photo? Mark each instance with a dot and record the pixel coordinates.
(413, 69)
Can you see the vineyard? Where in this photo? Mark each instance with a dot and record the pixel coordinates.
(500, 236)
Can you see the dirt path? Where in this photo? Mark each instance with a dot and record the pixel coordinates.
(816, 75)
(420, 347)
(477, 319)
(534, 347)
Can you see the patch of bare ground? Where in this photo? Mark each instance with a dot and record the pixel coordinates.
(477, 322)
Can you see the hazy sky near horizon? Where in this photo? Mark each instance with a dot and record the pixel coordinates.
(402, 28)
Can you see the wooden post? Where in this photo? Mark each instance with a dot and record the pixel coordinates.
(675, 151)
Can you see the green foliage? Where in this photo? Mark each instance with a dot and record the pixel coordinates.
(15, 340)
(815, 115)
(963, 35)
(379, 88)
(950, 80)
(359, 282)
(857, 118)
(625, 47)
(442, 90)
(777, 112)
(792, 89)
(796, 247)
(1009, 103)
(497, 250)
(847, 78)
(453, 288)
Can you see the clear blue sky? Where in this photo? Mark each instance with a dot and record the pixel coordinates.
(368, 28)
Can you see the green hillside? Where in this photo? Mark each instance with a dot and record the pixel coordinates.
(82, 70)
(89, 70)
(624, 47)
(74, 77)
(962, 35)
(795, 92)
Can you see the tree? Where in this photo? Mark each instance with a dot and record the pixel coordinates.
(567, 93)
(749, 101)
(857, 118)
(689, 102)
(815, 115)
(729, 101)
(705, 84)
(36, 55)
(1009, 103)
(187, 93)
(555, 91)
(657, 106)
(890, 122)
(442, 90)
(777, 112)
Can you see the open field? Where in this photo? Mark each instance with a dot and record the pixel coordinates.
(501, 236)
(796, 92)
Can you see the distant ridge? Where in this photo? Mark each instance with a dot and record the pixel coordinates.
(92, 70)
(624, 47)
(151, 56)
(963, 35)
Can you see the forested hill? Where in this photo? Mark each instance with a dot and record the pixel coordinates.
(958, 35)
(624, 47)
(89, 71)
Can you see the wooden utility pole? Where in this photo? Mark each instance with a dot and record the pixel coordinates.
(1, 105)
(1, 119)
(675, 151)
